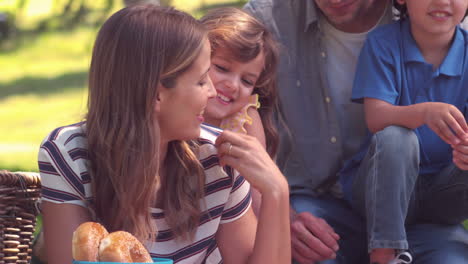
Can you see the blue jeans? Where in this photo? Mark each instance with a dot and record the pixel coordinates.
(392, 196)
(429, 243)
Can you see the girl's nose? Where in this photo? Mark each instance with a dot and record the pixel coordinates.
(232, 83)
(211, 90)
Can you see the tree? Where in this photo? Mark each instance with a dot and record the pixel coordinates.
(156, 2)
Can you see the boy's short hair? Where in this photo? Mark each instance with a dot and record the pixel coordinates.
(403, 12)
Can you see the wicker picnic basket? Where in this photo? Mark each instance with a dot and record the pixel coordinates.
(19, 196)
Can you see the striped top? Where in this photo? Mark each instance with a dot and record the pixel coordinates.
(63, 167)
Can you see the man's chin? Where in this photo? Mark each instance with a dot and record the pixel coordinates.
(342, 20)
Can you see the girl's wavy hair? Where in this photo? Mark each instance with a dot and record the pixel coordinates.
(403, 11)
(138, 48)
(244, 37)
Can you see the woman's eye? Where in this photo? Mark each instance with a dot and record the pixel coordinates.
(202, 82)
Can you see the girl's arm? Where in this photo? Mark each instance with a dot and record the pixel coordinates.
(256, 130)
(245, 240)
(59, 223)
(444, 119)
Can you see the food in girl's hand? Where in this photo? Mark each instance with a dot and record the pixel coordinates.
(92, 242)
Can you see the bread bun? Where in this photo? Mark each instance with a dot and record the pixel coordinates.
(121, 246)
(86, 240)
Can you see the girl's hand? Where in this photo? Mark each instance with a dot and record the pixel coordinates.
(460, 154)
(245, 154)
(446, 121)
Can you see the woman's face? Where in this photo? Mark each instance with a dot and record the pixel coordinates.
(180, 109)
(234, 82)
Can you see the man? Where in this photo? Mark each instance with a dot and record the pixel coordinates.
(321, 42)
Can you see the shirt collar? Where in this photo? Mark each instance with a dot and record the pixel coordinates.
(450, 66)
(311, 15)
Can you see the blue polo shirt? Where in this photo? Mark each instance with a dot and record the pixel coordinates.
(391, 68)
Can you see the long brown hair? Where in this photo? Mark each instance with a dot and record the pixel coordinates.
(245, 38)
(136, 49)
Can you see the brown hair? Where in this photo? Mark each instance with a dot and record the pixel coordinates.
(136, 49)
(245, 37)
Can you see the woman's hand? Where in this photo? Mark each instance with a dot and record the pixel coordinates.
(272, 245)
(245, 154)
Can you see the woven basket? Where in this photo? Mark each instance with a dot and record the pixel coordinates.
(19, 196)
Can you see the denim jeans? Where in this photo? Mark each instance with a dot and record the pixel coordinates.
(392, 196)
(429, 243)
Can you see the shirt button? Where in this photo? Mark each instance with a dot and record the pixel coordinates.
(323, 54)
(298, 83)
(333, 139)
(327, 99)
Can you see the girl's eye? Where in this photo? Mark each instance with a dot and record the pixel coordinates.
(221, 68)
(247, 82)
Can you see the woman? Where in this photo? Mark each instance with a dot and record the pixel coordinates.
(142, 161)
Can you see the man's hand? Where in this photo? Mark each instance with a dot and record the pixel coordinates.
(312, 239)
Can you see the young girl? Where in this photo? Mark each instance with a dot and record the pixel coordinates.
(412, 77)
(243, 68)
(136, 164)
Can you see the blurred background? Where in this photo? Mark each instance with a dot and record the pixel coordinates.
(45, 49)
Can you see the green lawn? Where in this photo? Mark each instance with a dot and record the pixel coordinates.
(42, 86)
(43, 81)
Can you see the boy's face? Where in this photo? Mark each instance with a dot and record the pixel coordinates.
(435, 17)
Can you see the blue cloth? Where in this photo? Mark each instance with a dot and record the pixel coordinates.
(391, 68)
(313, 144)
(389, 192)
(428, 243)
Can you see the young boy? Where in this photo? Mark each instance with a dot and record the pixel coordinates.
(412, 77)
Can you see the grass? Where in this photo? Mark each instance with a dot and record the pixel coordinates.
(42, 86)
(43, 81)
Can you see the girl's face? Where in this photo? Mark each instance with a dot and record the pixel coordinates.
(435, 17)
(234, 82)
(180, 109)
